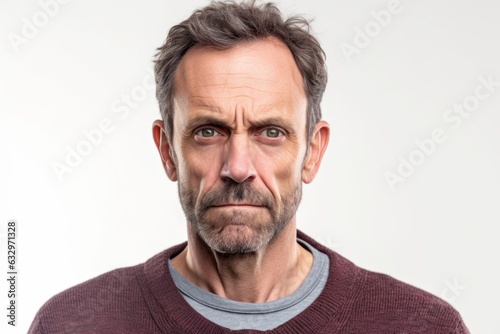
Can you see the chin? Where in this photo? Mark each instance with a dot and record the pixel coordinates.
(237, 238)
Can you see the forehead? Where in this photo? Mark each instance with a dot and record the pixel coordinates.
(255, 74)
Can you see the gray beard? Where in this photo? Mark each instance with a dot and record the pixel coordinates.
(261, 235)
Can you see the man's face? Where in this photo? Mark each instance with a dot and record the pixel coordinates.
(239, 141)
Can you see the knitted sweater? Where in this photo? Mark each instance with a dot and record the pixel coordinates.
(144, 299)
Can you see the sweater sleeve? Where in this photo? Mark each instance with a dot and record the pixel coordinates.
(36, 325)
(461, 328)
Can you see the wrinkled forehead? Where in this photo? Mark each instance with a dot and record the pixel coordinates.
(262, 71)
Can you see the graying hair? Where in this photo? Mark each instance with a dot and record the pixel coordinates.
(222, 25)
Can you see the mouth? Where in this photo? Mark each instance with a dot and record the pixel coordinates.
(237, 205)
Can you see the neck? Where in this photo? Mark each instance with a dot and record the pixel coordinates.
(271, 273)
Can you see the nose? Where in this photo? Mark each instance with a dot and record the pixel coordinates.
(238, 165)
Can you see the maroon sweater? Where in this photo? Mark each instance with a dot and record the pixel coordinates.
(144, 299)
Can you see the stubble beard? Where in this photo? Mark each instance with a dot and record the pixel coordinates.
(236, 231)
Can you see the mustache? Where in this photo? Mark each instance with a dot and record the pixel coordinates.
(233, 192)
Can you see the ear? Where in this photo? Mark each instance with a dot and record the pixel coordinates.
(317, 147)
(164, 149)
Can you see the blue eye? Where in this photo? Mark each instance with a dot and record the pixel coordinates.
(272, 132)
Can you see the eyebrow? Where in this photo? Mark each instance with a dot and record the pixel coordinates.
(205, 120)
(255, 124)
(277, 121)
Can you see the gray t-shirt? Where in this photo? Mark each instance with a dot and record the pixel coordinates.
(259, 316)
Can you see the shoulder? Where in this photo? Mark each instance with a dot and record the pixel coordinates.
(106, 288)
(86, 302)
(115, 302)
(385, 304)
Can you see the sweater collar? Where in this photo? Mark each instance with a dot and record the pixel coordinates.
(171, 312)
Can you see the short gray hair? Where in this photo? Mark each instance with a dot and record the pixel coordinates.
(222, 25)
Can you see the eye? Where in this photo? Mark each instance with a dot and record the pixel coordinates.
(272, 133)
(207, 132)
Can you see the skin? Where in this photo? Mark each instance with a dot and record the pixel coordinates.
(240, 156)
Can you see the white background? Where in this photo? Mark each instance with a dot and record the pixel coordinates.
(117, 208)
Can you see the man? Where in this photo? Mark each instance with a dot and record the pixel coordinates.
(239, 91)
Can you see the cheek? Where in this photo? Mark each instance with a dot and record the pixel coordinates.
(288, 163)
(199, 169)
(281, 171)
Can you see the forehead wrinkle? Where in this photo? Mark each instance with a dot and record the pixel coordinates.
(242, 94)
(196, 80)
(241, 100)
(197, 85)
(245, 101)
